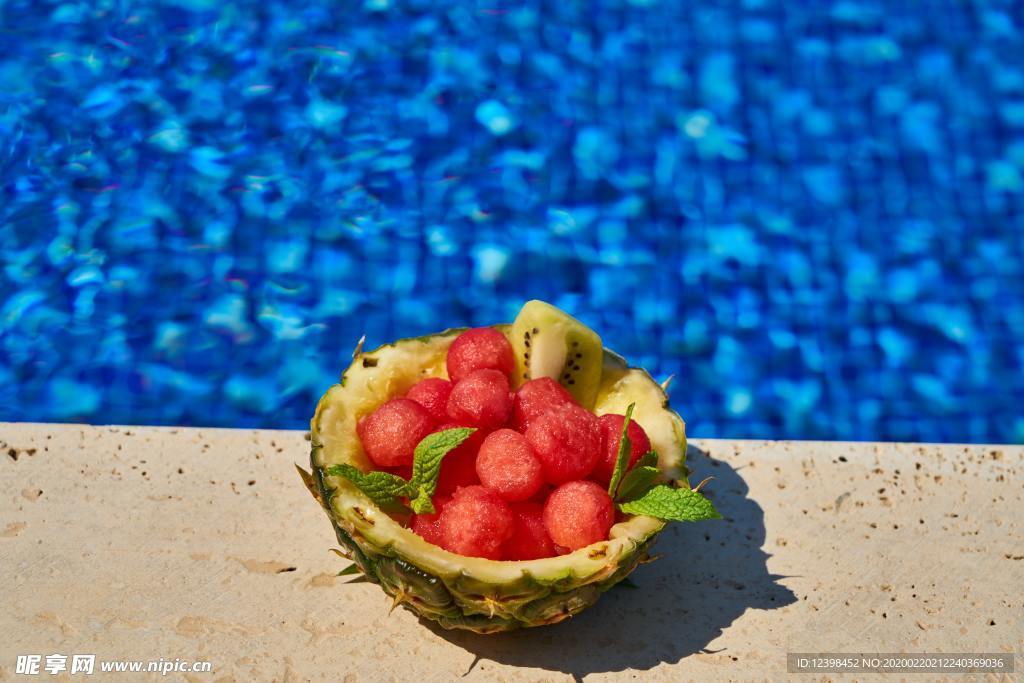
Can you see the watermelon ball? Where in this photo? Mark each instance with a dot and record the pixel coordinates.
(536, 397)
(476, 522)
(478, 349)
(530, 540)
(542, 494)
(611, 432)
(578, 513)
(403, 471)
(432, 393)
(458, 468)
(567, 441)
(507, 465)
(481, 399)
(391, 433)
(428, 526)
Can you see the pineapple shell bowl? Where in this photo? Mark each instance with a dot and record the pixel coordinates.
(459, 592)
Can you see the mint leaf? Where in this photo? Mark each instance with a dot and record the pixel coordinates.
(383, 488)
(426, 465)
(671, 504)
(648, 459)
(639, 478)
(622, 460)
(637, 482)
(423, 503)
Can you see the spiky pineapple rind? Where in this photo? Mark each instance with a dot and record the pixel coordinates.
(471, 593)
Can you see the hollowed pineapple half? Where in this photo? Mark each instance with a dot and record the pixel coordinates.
(485, 596)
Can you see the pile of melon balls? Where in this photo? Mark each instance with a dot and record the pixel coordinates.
(530, 482)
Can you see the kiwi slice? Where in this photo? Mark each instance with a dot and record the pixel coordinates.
(551, 343)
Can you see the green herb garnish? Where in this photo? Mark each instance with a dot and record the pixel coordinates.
(384, 488)
(640, 478)
(671, 504)
(622, 460)
(426, 465)
(636, 491)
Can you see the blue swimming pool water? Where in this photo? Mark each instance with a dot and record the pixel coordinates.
(812, 214)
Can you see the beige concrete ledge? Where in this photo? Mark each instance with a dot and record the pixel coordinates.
(142, 543)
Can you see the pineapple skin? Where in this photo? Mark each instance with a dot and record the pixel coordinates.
(458, 592)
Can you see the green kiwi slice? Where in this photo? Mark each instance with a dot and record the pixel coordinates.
(551, 343)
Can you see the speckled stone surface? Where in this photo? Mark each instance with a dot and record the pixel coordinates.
(203, 544)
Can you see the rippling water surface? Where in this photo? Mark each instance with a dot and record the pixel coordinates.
(813, 216)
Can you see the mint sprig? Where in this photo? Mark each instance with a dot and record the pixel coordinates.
(426, 465)
(639, 478)
(671, 504)
(636, 490)
(622, 459)
(384, 488)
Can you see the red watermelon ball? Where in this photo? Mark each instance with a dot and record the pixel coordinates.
(476, 522)
(611, 433)
(567, 441)
(478, 349)
(429, 526)
(391, 433)
(481, 399)
(458, 468)
(542, 494)
(536, 397)
(432, 393)
(506, 464)
(578, 513)
(403, 471)
(530, 540)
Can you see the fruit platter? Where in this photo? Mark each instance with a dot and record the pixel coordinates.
(499, 477)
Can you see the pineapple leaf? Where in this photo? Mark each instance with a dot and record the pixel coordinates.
(622, 461)
(426, 465)
(349, 570)
(637, 482)
(383, 488)
(310, 482)
(672, 504)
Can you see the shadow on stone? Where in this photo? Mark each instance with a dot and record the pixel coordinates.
(709, 575)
